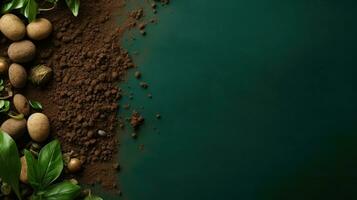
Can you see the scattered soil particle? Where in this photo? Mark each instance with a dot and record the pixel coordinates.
(144, 85)
(116, 166)
(142, 32)
(126, 106)
(137, 14)
(153, 5)
(136, 120)
(137, 74)
(141, 147)
(134, 135)
(141, 26)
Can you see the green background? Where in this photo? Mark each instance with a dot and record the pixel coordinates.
(258, 101)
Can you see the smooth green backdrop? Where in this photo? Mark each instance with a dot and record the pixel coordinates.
(258, 101)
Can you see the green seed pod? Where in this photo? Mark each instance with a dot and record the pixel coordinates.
(41, 74)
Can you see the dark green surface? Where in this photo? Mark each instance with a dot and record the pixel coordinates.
(258, 100)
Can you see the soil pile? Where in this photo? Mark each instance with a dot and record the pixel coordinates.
(82, 100)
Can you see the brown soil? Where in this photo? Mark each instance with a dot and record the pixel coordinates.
(82, 99)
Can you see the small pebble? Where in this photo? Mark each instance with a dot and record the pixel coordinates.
(102, 133)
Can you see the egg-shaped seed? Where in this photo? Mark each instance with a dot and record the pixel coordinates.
(21, 104)
(12, 27)
(17, 75)
(38, 126)
(14, 127)
(22, 51)
(39, 29)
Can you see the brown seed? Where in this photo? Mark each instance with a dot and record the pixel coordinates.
(74, 165)
(15, 128)
(21, 104)
(4, 65)
(22, 51)
(17, 75)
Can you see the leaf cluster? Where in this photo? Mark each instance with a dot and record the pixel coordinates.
(30, 8)
(42, 172)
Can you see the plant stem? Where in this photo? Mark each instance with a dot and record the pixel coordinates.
(47, 9)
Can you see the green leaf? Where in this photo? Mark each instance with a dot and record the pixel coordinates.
(35, 105)
(74, 6)
(1, 81)
(2, 88)
(42, 172)
(8, 6)
(61, 191)
(32, 173)
(14, 4)
(50, 164)
(93, 197)
(30, 10)
(2, 103)
(6, 106)
(19, 4)
(10, 167)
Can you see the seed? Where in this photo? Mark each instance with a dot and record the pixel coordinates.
(74, 165)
